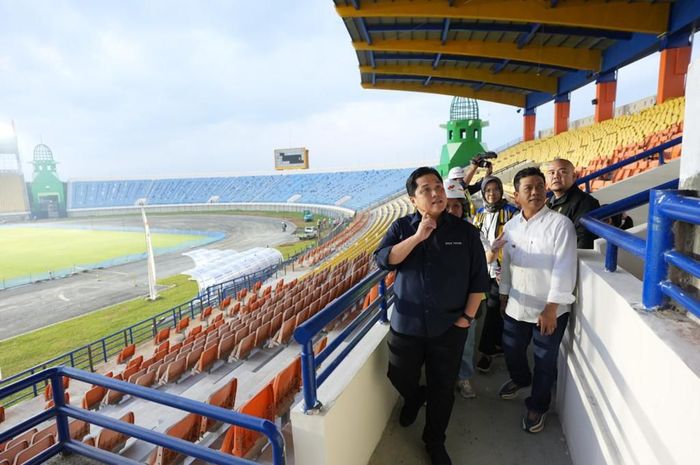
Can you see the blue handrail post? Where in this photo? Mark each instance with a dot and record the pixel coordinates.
(382, 302)
(308, 378)
(659, 240)
(611, 257)
(59, 401)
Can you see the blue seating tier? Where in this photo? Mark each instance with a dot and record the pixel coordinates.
(354, 189)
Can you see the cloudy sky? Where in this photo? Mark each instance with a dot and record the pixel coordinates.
(184, 88)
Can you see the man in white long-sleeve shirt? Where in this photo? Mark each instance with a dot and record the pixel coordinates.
(538, 276)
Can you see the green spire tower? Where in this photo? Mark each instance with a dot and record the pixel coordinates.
(48, 192)
(463, 135)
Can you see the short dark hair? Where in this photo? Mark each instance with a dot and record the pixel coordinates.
(412, 181)
(524, 173)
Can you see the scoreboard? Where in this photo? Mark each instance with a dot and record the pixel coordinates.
(292, 159)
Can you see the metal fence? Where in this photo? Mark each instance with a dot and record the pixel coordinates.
(657, 251)
(62, 412)
(91, 355)
(653, 152)
(354, 332)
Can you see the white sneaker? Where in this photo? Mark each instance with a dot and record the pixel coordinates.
(465, 389)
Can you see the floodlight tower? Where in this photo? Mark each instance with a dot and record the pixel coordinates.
(463, 134)
(152, 293)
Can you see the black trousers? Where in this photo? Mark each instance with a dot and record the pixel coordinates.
(492, 331)
(441, 356)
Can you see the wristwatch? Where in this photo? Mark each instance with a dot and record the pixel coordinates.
(468, 318)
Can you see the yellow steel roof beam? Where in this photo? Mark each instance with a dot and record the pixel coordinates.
(650, 18)
(574, 58)
(506, 98)
(504, 78)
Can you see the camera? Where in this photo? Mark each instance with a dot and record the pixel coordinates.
(482, 159)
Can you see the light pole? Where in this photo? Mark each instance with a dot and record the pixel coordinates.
(152, 293)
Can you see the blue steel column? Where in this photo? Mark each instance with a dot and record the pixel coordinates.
(659, 240)
(308, 377)
(611, 257)
(59, 401)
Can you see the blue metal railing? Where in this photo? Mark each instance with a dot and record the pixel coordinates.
(89, 356)
(665, 207)
(658, 150)
(305, 333)
(61, 412)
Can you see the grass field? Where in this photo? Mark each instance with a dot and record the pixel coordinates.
(31, 349)
(27, 251)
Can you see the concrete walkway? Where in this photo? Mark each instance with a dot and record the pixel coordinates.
(482, 431)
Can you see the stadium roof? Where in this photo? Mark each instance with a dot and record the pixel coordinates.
(516, 52)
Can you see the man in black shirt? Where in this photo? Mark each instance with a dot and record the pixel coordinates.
(569, 200)
(441, 276)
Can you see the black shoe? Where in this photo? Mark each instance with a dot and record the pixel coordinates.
(438, 455)
(533, 422)
(509, 390)
(484, 364)
(409, 411)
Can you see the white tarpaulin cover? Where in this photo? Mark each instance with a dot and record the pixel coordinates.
(213, 266)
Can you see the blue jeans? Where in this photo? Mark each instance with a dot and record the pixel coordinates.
(466, 366)
(516, 339)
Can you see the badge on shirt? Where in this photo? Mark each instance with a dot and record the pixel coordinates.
(453, 243)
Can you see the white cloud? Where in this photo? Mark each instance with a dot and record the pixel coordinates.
(161, 88)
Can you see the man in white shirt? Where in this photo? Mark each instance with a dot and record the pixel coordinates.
(538, 277)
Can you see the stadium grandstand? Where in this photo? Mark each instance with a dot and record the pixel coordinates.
(353, 189)
(282, 368)
(14, 203)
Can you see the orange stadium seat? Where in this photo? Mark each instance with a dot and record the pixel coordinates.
(172, 371)
(226, 346)
(78, 429)
(48, 391)
(11, 452)
(285, 386)
(193, 357)
(35, 449)
(286, 331)
(93, 397)
(245, 347)
(261, 406)
(135, 362)
(186, 429)
(207, 359)
(182, 324)
(224, 398)
(146, 379)
(113, 441)
(24, 437)
(51, 430)
(51, 404)
(126, 353)
(262, 334)
(162, 335)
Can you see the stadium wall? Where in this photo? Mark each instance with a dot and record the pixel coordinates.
(628, 384)
(327, 210)
(357, 402)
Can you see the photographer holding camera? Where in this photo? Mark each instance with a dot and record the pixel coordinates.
(479, 161)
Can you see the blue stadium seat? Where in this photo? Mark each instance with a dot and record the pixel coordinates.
(352, 189)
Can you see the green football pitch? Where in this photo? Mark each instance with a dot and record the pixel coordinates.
(26, 251)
